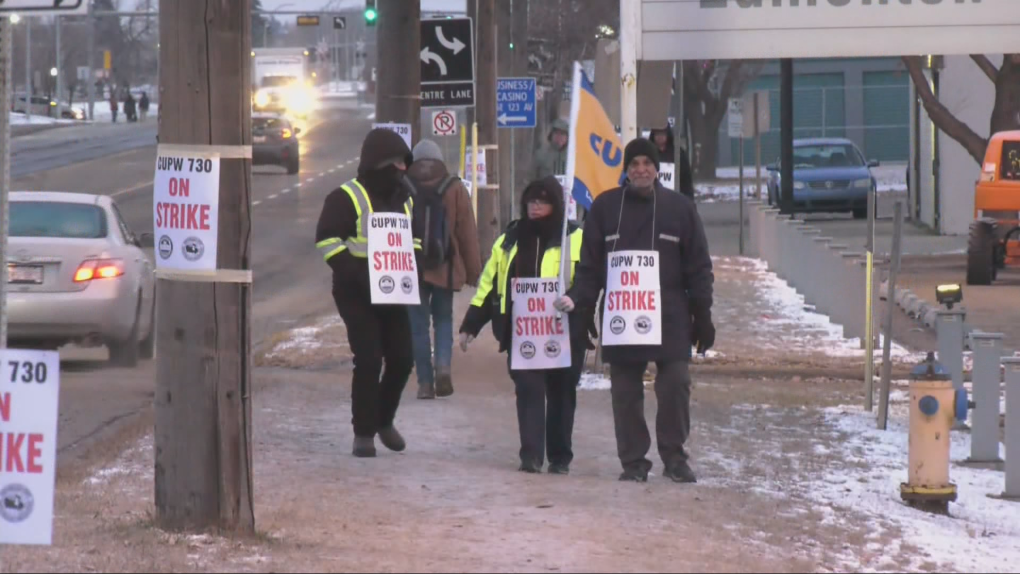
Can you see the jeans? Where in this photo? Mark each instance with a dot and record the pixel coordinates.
(436, 307)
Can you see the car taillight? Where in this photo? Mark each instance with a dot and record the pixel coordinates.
(286, 133)
(98, 269)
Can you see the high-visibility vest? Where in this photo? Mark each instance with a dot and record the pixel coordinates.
(497, 269)
(358, 245)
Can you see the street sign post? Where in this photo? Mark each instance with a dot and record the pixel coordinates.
(46, 7)
(447, 60)
(515, 102)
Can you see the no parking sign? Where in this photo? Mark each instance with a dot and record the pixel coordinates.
(444, 123)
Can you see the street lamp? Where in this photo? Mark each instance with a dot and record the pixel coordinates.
(15, 18)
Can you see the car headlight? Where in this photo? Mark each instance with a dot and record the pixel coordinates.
(799, 185)
(863, 183)
(261, 99)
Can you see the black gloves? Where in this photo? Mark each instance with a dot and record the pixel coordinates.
(702, 329)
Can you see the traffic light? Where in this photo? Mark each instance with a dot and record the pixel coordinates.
(370, 13)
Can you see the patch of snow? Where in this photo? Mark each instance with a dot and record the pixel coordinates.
(126, 464)
(305, 338)
(594, 382)
(19, 119)
(788, 323)
(982, 534)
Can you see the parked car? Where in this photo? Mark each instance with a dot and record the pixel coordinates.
(275, 142)
(829, 175)
(78, 274)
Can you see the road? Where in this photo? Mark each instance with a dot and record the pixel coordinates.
(291, 283)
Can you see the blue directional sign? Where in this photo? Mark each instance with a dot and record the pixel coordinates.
(515, 103)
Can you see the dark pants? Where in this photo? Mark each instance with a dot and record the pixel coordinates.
(546, 402)
(377, 334)
(672, 422)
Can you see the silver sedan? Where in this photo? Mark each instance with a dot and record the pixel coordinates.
(78, 274)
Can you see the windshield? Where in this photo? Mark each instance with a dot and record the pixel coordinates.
(822, 156)
(276, 81)
(269, 123)
(51, 219)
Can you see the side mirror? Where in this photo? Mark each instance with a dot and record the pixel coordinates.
(874, 163)
(147, 241)
(297, 131)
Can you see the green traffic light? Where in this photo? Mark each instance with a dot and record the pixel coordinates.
(370, 14)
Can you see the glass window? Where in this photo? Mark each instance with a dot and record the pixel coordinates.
(53, 219)
(826, 155)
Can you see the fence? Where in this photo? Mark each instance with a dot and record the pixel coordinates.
(875, 117)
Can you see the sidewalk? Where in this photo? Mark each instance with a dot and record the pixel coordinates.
(792, 478)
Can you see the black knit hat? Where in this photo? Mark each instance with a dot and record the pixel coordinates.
(640, 147)
(382, 146)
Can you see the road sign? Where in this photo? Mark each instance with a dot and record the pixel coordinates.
(37, 7)
(444, 122)
(307, 20)
(447, 63)
(735, 117)
(339, 23)
(515, 102)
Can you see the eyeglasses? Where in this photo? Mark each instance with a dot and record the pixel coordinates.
(539, 202)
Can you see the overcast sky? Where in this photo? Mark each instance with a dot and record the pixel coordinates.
(427, 5)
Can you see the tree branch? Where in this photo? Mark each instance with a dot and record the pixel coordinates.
(986, 66)
(940, 114)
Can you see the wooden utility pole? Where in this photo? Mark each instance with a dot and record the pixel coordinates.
(398, 44)
(515, 149)
(485, 114)
(203, 370)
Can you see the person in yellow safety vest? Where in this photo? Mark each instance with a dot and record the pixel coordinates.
(529, 248)
(377, 333)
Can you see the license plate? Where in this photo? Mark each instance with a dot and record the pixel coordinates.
(259, 139)
(31, 274)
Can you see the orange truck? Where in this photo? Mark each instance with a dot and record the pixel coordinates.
(994, 241)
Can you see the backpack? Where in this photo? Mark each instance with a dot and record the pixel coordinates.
(432, 221)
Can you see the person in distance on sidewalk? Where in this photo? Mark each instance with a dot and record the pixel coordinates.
(663, 236)
(377, 334)
(531, 247)
(449, 260)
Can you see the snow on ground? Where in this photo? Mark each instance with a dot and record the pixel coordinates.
(981, 533)
(891, 178)
(783, 322)
(19, 119)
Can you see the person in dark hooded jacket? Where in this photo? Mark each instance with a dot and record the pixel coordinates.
(531, 247)
(664, 145)
(650, 222)
(377, 334)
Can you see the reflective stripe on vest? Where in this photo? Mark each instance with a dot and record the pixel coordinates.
(358, 246)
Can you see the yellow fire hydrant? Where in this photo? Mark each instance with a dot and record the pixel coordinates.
(934, 404)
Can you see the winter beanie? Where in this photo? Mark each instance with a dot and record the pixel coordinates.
(427, 149)
(640, 147)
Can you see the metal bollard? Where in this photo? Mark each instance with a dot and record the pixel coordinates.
(949, 330)
(1012, 365)
(984, 437)
(819, 252)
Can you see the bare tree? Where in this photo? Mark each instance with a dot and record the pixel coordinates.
(708, 86)
(1005, 113)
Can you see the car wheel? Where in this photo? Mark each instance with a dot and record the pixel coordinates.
(125, 353)
(981, 244)
(147, 348)
(293, 166)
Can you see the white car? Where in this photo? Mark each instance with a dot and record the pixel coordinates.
(78, 274)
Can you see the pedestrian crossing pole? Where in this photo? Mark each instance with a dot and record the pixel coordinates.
(6, 33)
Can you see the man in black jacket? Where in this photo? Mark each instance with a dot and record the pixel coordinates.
(376, 333)
(656, 237)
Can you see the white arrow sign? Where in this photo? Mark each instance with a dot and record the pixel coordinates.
(427, 55)
(456, 45)
(65, 7)
(505, 119)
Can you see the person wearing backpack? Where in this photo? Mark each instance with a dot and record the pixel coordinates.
(450, 259)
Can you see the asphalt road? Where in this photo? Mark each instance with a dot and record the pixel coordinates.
(52, 148)
(291, 283)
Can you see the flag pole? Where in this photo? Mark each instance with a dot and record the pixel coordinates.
(575, 105)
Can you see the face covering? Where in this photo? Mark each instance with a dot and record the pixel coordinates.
(386, 181)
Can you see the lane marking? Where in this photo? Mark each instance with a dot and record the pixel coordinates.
(285, 191)
(274, 196)
(132, 189)
(256, 202)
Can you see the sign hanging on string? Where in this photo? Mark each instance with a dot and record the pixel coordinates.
(185, 204)
(541, 335)
(392, 269)
(633, 312)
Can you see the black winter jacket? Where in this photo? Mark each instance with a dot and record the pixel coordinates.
(685, 267)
